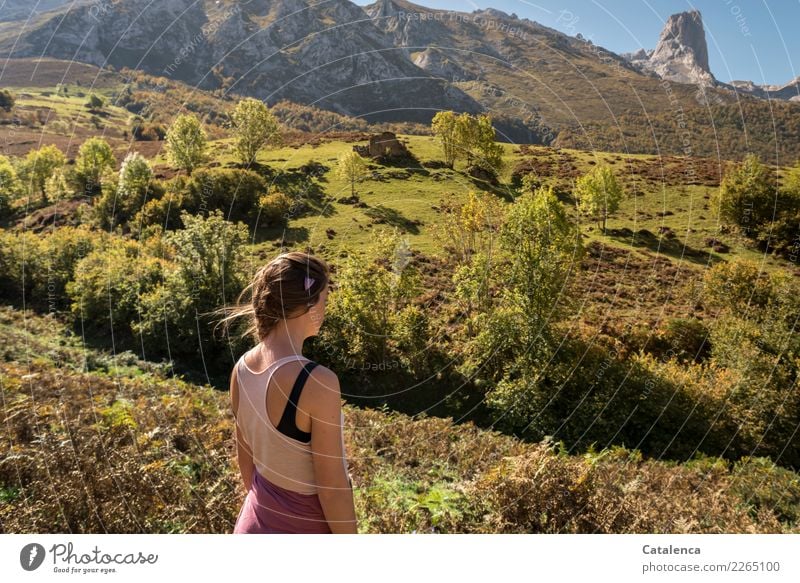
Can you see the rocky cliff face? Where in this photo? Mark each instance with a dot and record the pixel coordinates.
(324, 53)
(681, 53)
(788, 92)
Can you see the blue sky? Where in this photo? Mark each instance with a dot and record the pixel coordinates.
(756, 40)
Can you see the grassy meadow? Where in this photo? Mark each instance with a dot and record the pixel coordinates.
(666, 399)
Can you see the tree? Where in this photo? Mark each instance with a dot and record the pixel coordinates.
(6, 100)
(135, 176)
(598, 193)
(95, 102)
(208, 272)
(543, 248)
(9, 185)
(488, 152)
(254, 127)
(351, 167)
(120, 199)
(471, 227)
(543, 245)
(475, 136)
(444, 128)
(186, 143)
(95, 157)
(38, 166)
(57, 186)
(747, 195)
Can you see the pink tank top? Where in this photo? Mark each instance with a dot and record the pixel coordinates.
(283, 460)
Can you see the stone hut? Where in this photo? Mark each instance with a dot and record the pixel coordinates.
(383, 144)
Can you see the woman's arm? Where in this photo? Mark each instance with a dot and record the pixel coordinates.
(244, 454)
(330, 472)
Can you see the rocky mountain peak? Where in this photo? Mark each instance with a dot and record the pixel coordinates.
(682, 54)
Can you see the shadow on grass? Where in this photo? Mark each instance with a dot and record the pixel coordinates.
(385, 215)
(670, 246)
(281, 235)
(409, 163)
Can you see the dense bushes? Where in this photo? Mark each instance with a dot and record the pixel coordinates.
(371, 320)
(237, 193)
(160, 290)
(107, 285)
(44, 263)
(750, 199)
(206, 273)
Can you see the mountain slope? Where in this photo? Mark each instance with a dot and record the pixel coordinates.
(327, 54)
(398, 61)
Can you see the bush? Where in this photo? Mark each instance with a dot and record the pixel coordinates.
(369, 319)
(235, 192)
(95, 158)
(273, 208)
(207, 273)
(95, 102)
(108, 284)
(122, 200)
(44, 263)
(6, 100)
(748, 196)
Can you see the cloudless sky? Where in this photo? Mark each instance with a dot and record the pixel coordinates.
(757, 40)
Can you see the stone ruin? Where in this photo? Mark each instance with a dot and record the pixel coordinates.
(383, 145)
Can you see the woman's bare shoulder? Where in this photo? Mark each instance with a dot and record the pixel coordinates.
(324, 384)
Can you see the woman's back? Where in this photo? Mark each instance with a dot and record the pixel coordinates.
(290, 440)
(274, 419)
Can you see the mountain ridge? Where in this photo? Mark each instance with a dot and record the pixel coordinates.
(392, 61)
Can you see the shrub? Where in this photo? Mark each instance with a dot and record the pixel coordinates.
(95, 102)
(44, 263)
(108, 284)
(207, 273)
(369, 320)
(6, 100)
(273, 208)
(747, 195)
(95, 158)
(38, 166)
(186, 143)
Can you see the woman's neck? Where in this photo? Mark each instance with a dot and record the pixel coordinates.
(283, 341)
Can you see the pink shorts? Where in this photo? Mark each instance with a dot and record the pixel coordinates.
(270, 509)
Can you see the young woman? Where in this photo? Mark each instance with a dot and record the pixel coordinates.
(287, 409)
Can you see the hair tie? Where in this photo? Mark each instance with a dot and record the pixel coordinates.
(309, 282)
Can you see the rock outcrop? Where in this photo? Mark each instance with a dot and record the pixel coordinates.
(682, 54)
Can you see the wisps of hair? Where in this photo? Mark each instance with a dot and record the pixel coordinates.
(277, 292)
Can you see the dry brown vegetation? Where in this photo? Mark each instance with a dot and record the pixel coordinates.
(122, 448)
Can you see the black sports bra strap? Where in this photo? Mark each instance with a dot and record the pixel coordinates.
(288, 423)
